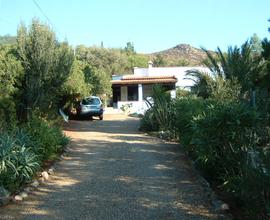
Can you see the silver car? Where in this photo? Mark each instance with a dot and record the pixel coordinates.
(91, 106)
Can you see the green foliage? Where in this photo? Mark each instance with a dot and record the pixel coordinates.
(252, 186)
(100, 82)
(7, 113)
(256, 46)
(148, 122)
(135, 60)
(180, 93)
(181, 62)
(111, 61)
(7, 39)
(46, 67)
(237, 66)
(75, 84)
(164, 61)
(265, 79)
(225, 90)
(126, 108)
(222, 135)
(49, 140)
(18, 163)
(226, 140)
(202, 83)
(159, 61)
(10, 72)
(129, 48)
(186, 109)
(23, 150)
(161, 107)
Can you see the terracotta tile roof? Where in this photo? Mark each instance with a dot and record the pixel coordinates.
(130, 79)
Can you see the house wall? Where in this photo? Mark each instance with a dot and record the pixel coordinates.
(178, 72)
(135, 106)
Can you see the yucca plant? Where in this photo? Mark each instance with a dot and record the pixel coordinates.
(7, 154)
(26, 164)
(161, 107)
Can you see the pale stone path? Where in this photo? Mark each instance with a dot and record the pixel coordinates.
(112, 171)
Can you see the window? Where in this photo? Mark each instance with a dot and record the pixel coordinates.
(133, 93)
(91, 101)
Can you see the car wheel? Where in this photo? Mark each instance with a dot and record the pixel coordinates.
(101, 117)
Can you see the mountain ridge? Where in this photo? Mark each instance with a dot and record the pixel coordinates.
(181, 54)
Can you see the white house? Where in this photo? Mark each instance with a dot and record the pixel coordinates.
(133, 89)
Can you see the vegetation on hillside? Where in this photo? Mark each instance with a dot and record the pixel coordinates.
(7, 39)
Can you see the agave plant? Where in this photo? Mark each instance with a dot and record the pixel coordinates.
(26, 164)
(17, 163)
(7, 156)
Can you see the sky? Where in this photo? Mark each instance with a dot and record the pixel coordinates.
(152, 25)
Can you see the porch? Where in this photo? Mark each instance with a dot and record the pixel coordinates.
(131, 91)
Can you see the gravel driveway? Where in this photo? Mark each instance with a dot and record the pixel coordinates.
(112, 171)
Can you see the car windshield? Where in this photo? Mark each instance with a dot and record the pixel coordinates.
(91, 101)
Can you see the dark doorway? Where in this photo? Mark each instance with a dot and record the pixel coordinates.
(116, 95)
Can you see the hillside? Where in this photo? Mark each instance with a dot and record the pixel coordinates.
(7, 39)
(180, 55)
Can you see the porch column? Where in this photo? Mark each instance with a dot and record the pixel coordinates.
(140, 93)
(173, 94)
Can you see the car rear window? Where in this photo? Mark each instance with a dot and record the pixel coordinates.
(91, 101)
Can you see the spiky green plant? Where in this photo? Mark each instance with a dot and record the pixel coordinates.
(237, 64)
(161, 107)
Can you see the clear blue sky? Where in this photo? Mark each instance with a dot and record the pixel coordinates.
(152, 25)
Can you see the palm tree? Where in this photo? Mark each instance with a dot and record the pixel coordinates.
(236, 64)
(202, 82)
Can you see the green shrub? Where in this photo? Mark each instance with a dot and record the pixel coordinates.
(23, 150)
(7, 113)
(148, 122)
(185, 110)
(251, 187)
(49, 140)
(226, 139)
(225, 90)
(180, 93)
(227, 149)
(222, 136)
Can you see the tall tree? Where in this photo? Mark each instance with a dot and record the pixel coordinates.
(256, 46)
(99, 81)
(46, 65)
(10, 73)
(237, 65)
(129, 48)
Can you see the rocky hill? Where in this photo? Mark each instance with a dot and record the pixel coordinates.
(180, 55)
